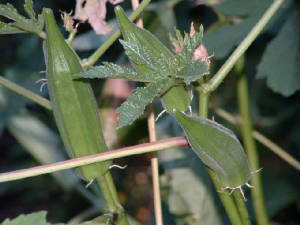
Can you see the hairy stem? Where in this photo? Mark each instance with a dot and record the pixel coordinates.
(154, 166)
(100, 51)
(240, 202)
(243, 46)
(42, 35)
(110, 194)
(250, 146)
(71, 36)
(226, 199)
(26, 93)
(152, 138)
(276, 149)
(269, 144)
(113, 154)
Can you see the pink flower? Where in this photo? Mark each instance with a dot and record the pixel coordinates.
(94, 11)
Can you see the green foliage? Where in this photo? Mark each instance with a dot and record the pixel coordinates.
(144, 58)
(218, 148)
(6, 28)
(38, 218)
(154, 63)
(281, 77)
(188, 43)
(229, 34)
(33, 218)
(142, 49)
(136, 103)
(28, 7)
(189, 194)
(21, 24)
(111, 70)
(192, 71)
(280, 62)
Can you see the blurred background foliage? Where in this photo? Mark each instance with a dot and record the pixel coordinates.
(29, 135)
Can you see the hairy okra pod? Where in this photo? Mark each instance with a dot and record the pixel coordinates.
(218, 148)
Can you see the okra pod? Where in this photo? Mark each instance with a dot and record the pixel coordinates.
(76, 112)
(73, 101)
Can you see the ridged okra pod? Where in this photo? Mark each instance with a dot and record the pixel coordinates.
(73, 102)
(76, 112)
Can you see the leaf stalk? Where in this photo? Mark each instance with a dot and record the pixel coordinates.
(217, 79)
(251, 149)
(226, 199)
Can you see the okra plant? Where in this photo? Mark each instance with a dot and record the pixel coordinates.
(155, 64)
(171, 76)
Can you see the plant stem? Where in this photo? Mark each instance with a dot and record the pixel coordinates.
(217, 79)
(100, 51)
(203, 104)
(154, 166)
(250, 146)
(84, 215)
(240, 202)
(152, 138)
(110, 194)
(276, 149)
(71, 36)
(42, 35)
(226, 199)
(113, 154)
(262, 139)
(135, 4)
(26, 93)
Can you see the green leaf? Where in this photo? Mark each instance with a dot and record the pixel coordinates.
(193, 70)
(143, 56)
(10, 12)
(185, 68)
(145, 51)
(28, 7)
(40, 22)
(21, 22)
(222, 40)
(29, 219)
(218, 148)
(192, 43)
(9, 28)
(38, 218)
(242, 7)
(280, 62)
(111, 70)
(136, 103)
(225, 38)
